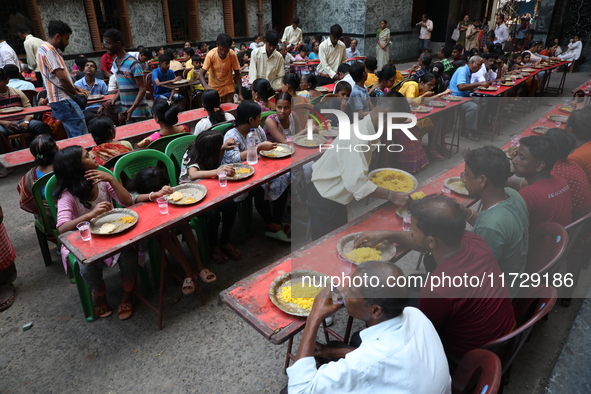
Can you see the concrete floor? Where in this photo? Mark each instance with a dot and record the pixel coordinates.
(203, 349)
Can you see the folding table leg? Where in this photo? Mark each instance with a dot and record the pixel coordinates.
(288, 355)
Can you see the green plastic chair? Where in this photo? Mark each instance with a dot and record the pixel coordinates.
(176, 150)
(43, 225)
(74, 269)
(265, 115)
(135, 161)
(223, 127)
(161, 143)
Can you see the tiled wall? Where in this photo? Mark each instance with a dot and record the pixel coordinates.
(72, 12)
(146, 22)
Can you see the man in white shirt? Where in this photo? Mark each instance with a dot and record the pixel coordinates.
(340, 175)
(31, 44)
(292, 36)
(16, 80)
(501, 31)
(266, 62)
(486, 73)
(352, 51)
(332, 53)
(400, 350)
(258, 42)
(425, 34)
(574, 50)
(7, 54)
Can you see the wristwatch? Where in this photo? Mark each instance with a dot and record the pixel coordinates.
(26, 121)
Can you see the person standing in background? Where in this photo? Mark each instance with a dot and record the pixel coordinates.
(292, 36)
(483, 33)
(7, 267)
(383, 44)
(7, 54)
(58, 81)
(472, 35)
(31, 44)
(501, 31)
(425, 34)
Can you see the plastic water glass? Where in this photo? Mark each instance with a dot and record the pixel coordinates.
(345, 265)
(557, 124)
(163, 205)
(223, 178)
(406, 222)
(543, 121)
(338, 297)
(445, 189)
(413, 110)
(84, 228)
(289, 140)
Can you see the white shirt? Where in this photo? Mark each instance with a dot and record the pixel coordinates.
(403, 355)
(501, 33)
(291, 35)
(32, 44)
(20, 84)
(287, 60)
(346, 78)
(483, 75)
(270, 68)
(573, 52)
(425, 33)
(341, 175)
(7, 55)
(205, 124)
(331, 57)
(254, 45)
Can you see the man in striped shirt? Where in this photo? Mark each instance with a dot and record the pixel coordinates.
(130, 78)
(57, 80)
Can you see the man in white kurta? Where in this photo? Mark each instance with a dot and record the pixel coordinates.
(574, 50)
(400, 351)
(332, 53)
(266, 62)
(292, 35)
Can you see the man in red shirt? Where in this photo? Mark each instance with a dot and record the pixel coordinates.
(578, 123)
(548, 197)
(564, 143)
(106, 63)
(466, 315)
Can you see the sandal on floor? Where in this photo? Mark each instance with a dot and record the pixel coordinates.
(6, 297)
(206, 276)
(471, 137)
(278, 235)
(125, 310)
(436, 156)
(188, 286)
(102, 311)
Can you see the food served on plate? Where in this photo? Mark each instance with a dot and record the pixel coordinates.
(243, 170)
(189, 200)
(176, 196)
(306, 294)
(126, 219)
(418, 195)
(449, 97)
(566, 109)
(393, 180)
(361, 255)
(455, 184)
(540, 129)
(107, 228)
(422, 109)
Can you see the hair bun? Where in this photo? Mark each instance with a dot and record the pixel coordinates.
(171, 115)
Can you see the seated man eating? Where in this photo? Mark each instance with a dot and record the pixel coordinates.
(400, 351)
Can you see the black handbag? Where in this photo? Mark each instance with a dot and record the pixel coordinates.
(80, 99)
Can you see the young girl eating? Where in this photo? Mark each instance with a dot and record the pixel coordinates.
(83, 192)
(290, 84)
(283, 122)
(248, 116)
(166, 115)
(308, 87)
(149, 184)
(215, 114)
(103, 133)
(202, 160)
(262, 93)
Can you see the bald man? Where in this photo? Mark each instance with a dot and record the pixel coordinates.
(466, 317)
(398, 339)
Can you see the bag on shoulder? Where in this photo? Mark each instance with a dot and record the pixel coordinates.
(456, 33)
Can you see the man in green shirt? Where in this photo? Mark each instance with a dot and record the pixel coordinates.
(503, 220)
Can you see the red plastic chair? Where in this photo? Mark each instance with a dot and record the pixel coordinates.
(479, 372)
(530, 306)
(547, 244)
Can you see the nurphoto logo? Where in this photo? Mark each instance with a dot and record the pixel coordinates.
(345, 127)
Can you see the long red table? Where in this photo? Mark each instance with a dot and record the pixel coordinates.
(152, 222)
(131, 131)
(45, 108)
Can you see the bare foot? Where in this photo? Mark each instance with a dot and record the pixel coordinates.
(234, 253)
(218, 256)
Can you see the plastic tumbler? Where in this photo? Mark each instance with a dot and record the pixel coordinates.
(84, 228)
(223, 178)
(406, 222)
(289, 140)
(163, 205)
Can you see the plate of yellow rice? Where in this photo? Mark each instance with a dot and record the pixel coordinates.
(294, 293)
(403, 211)
(455, 184)
(114, 221)
(241, 171)
(188, 194)
(394, 179)
(384, 251)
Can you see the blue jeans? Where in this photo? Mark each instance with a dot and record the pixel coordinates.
(71, 116)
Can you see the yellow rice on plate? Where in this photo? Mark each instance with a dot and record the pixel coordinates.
(361, 255)
(126, 219)
(393, 180)
(308, 293)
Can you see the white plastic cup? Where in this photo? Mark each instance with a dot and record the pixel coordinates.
(445, 189)
(84, 228)
(163, 205)
(223, 178)
(406, 223)
(289, 140)
(543, 121)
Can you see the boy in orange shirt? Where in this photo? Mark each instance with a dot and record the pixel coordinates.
(220, 63)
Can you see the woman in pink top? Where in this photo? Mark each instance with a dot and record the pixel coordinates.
(83, 193)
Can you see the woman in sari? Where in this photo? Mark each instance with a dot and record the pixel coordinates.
(383, 44)
(463, 27)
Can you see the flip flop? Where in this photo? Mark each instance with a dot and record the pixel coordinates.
(278, 235)
(125, 310)
(6, 297)
(188, 286)
(234, 253)
(206, 275)
(102, 311)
